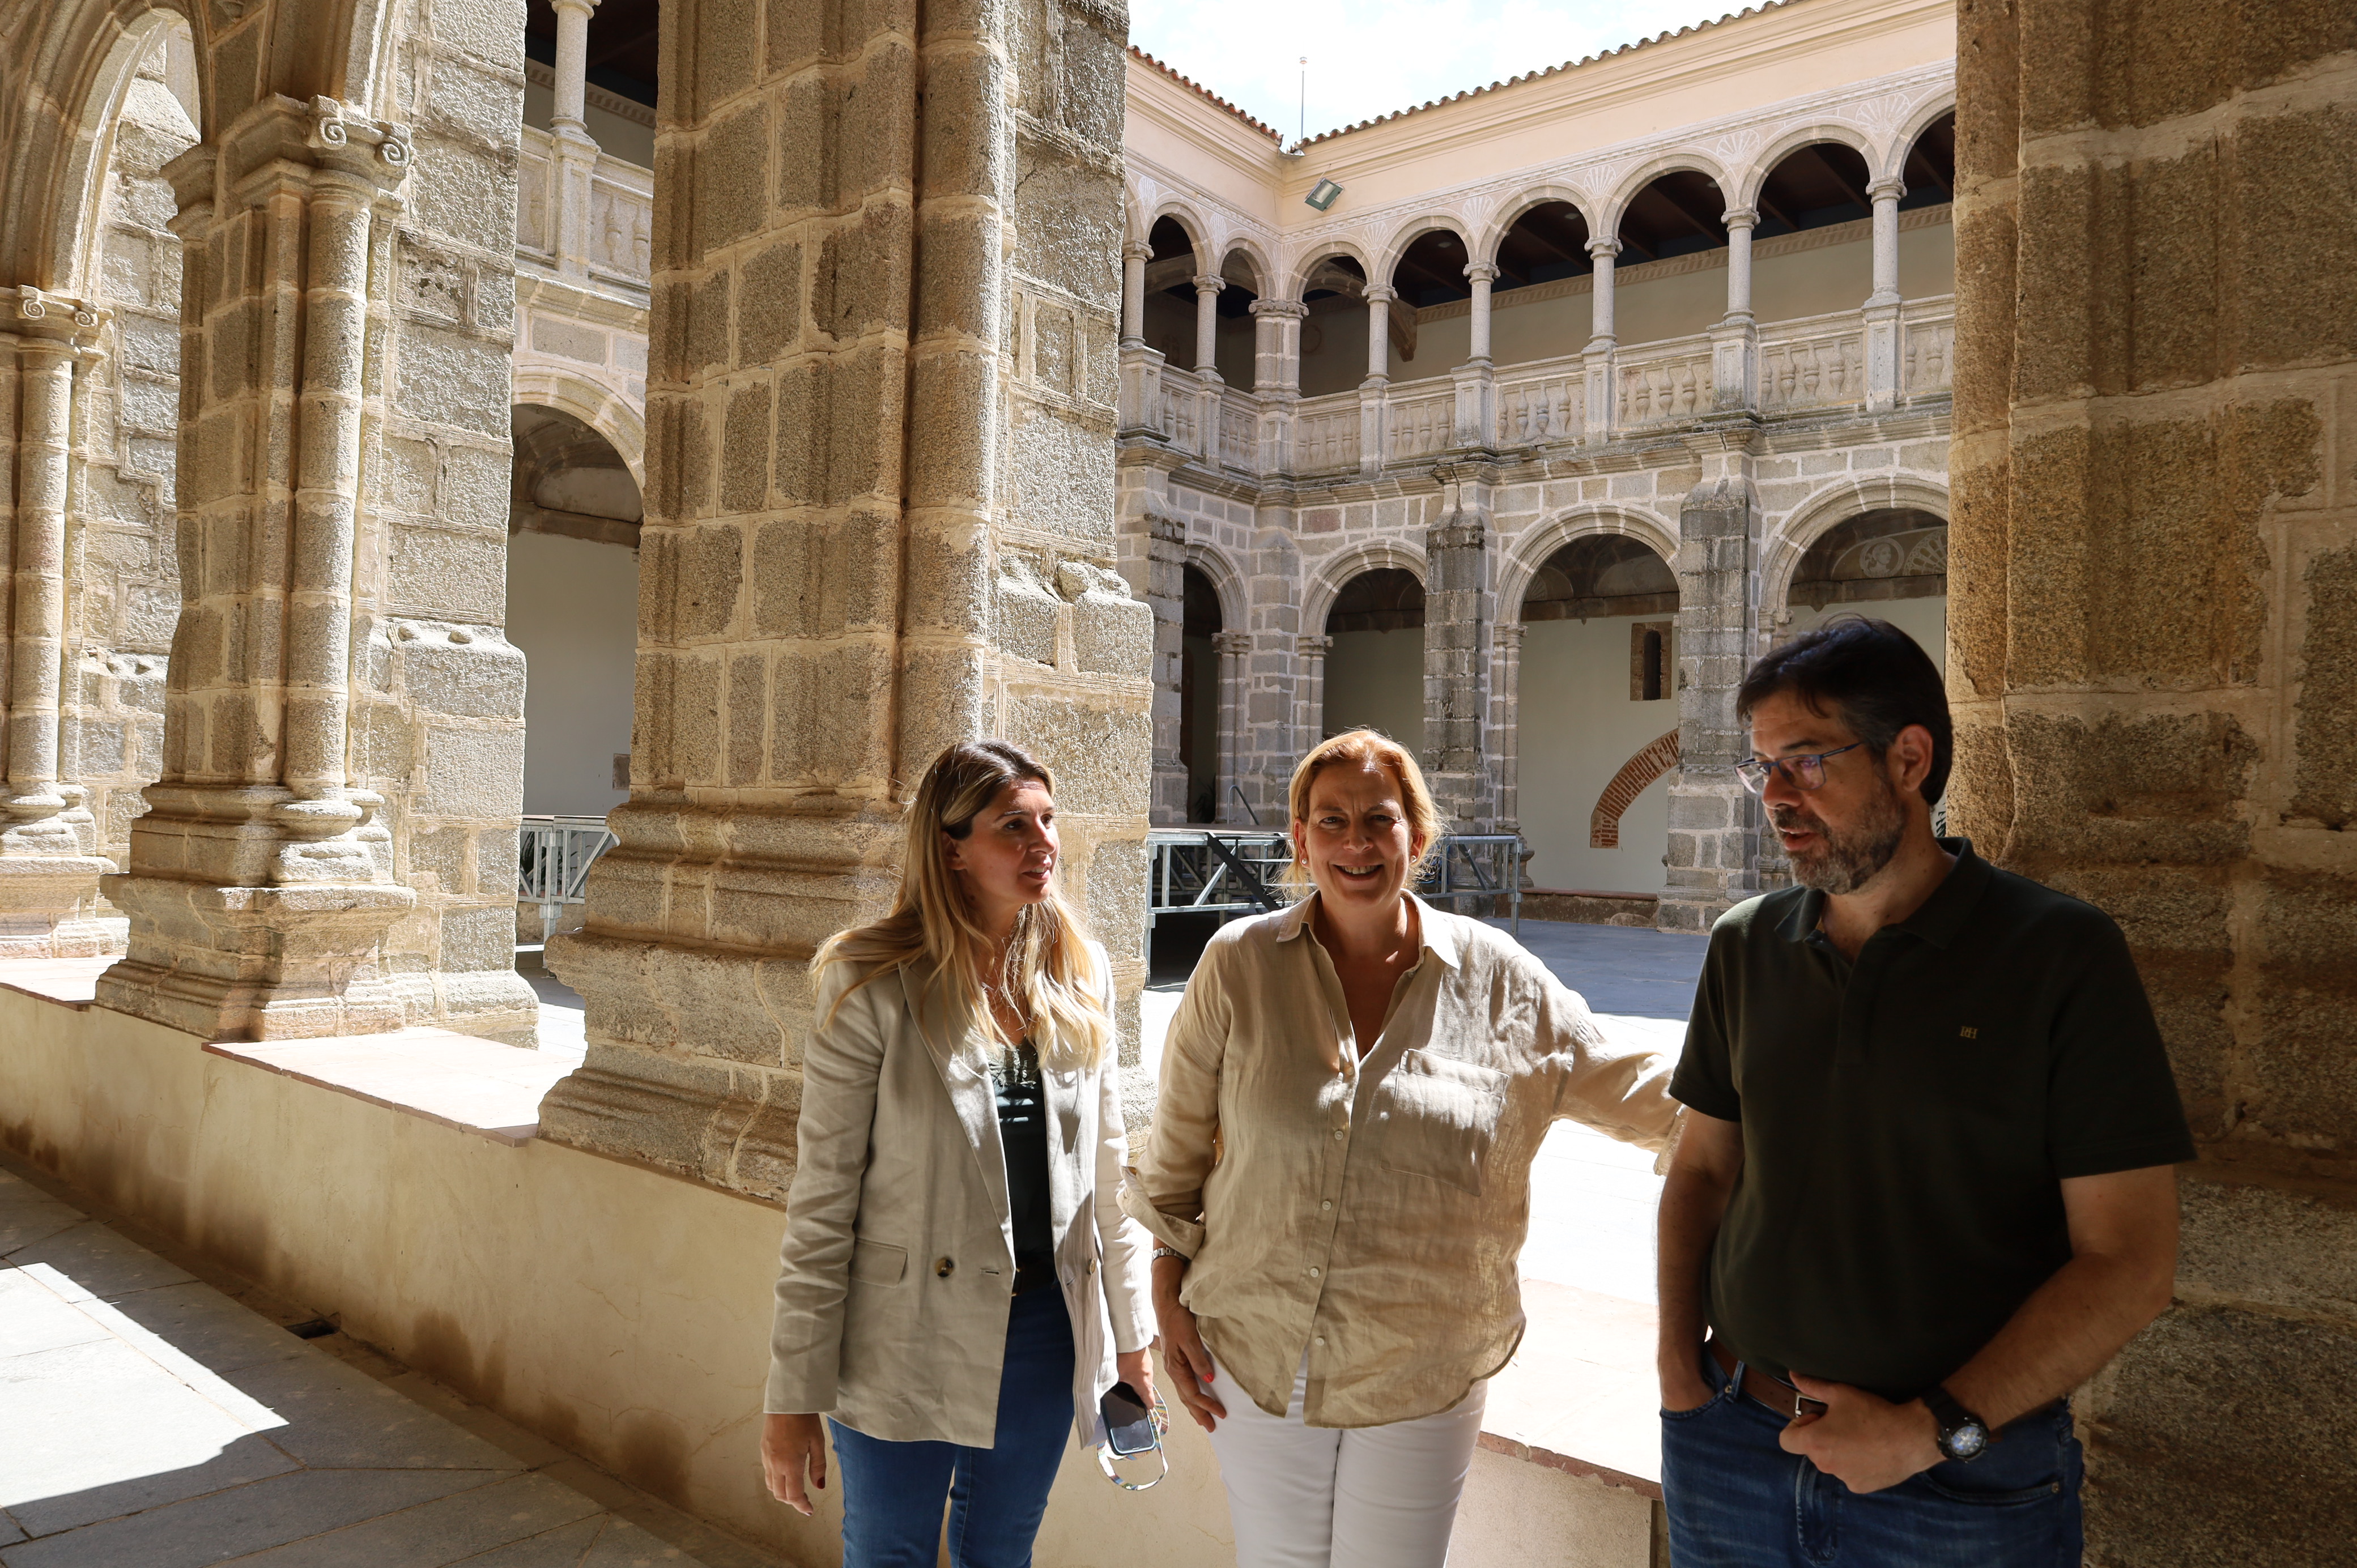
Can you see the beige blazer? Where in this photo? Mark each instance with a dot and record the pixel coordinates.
(897, 1269)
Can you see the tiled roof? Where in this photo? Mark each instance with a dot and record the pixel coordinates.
(1532, 76)
(1208, 95)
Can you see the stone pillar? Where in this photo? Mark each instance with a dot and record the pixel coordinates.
(1881, 312)
(833, 587)
(1207, 325)
(1477, 381)
(48, 864)
(1735, 341)
(1309, 651)
(1376, 388)
(1234, 648)
(1133, 295)
(343, 719)
(2152, 660)
(1165, 596)
(1457, 648)
(1602, 377)
(1505, 728)
(1714, 833)
(1276, 376)
(576, 151)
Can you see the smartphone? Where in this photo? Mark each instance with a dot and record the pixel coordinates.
(1129, 1425)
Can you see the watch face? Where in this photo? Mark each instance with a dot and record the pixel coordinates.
(1966, 1442)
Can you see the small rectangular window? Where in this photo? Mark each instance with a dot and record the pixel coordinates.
(1652, 661)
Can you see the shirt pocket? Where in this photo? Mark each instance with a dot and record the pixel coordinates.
(1435, 1117)
(879, 1262)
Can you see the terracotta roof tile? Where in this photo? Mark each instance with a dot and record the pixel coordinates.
(1208, 95)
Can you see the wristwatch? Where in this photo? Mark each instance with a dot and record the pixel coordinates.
(1964, 1437)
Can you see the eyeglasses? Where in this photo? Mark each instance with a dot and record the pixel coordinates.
(1801, 772)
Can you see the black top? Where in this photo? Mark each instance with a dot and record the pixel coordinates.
(1023, 1131)
(1907, 1119)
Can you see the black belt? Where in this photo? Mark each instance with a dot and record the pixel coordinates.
(1034, 1271)
(1773, 1392)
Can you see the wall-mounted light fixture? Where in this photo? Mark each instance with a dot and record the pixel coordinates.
(1321, 195)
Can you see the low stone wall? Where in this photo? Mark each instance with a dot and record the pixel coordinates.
(1590, 908)
(618, 1312)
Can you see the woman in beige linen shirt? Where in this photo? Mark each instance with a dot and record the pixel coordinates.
(1352, 1092)
(958, 1287)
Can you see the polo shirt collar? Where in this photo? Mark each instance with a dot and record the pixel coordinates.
(1442, 937)
(1943, 914)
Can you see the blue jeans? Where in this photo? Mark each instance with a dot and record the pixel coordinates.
(1735, 1499)
(892, 1492)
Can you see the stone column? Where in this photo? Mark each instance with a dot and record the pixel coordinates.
(1234, 648)
(1165, 596)
(48, 868)
(832, 587)
(1376, 388)
(267, 892)
(1457, 648)
(1882, 308)
(1713, 822)
(1506, 732)
(2152, 662)
(576, 151)
(1133, 295)
(1602, 378)
(1476, 382)
(1207, 325)
(1309, 651)
(1735, 341)
(1277, 377)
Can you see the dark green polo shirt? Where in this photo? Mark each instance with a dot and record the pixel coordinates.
(1907, 1117)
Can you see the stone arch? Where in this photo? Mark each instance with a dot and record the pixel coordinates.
(1536, 545)
(1754, 174)
(1332, 575)
(1890, 161)
(86, 56)
(1483, 250)
(1789, 540)
(600, 408)
(1414, 229)
(1235, 608)
(1651, 760)
(1303, 257)
(1255, 256)
(1182, 212)
(1606, 223)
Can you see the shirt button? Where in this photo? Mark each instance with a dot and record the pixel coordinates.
(1327, 1204)
(944, 1268)
(1313, 1273)
(1337, 1131)
(1321, 1339)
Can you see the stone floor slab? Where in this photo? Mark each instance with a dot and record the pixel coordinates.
(206, 1326)
(28, 1215)
(229, 1524)
(32, 1319)
(100, 1262)
(338, 1417)
(446, 1531)
(562, 1547)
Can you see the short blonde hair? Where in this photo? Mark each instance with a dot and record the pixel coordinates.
(1368, 748)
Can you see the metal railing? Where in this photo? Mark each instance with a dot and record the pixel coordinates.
(1229, 872)
(1477, 865)
(553, 856)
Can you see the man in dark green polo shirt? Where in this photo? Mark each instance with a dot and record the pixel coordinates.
(1925, 1186)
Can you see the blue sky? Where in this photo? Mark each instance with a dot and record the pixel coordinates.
(1370, 57)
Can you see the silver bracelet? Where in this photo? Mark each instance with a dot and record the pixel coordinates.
(1161, 1252)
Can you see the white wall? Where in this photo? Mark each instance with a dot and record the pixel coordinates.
(1376, 679)
(1578, 727)
(572, 607)
(1925, 620)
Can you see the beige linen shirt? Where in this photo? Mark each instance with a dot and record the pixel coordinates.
(1370, 1212)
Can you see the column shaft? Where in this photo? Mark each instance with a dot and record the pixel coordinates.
(1207, 325)
(1600, 330)
(37, 585)
(1379, 334)
(1133, 295)
(1481, 277)
(1885, 194)
(1234, 648)
(571, 63)
(1739, 224)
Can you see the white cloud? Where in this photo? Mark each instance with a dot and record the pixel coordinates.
(1369, 57)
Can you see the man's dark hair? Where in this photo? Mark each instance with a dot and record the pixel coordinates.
(1872, 676)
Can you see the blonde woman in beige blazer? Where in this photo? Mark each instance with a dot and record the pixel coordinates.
(958, 1287)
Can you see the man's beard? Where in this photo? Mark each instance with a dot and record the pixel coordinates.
(1851, 856)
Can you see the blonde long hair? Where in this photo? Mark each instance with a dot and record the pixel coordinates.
(1367, 749)
(932, 929)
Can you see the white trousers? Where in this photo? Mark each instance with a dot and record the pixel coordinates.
(1365, 1496)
